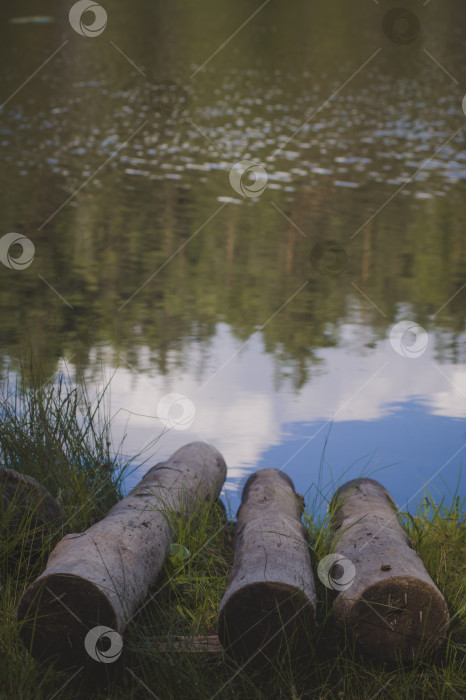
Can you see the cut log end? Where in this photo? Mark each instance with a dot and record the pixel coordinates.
(399, 617)
(265, 618)
(57, 612)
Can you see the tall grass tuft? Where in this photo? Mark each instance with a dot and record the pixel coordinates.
(58, 435)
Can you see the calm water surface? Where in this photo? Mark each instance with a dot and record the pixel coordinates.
(271, 316)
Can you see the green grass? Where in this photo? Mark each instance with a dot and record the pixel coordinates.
(61, 437)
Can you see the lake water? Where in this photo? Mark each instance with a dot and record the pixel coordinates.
(310, 319)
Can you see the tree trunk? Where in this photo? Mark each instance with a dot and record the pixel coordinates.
(100, 576)
(391, 606)
(25, 503)
(270, 600)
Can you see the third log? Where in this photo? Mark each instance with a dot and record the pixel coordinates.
(390, 606)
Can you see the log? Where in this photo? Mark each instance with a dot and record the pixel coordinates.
(26, 503)
(391, 607)
(270, 601)
(101, 576)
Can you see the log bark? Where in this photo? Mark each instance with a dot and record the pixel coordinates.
(392, 607)
(102, 575)
(25, 502)
(270, 600)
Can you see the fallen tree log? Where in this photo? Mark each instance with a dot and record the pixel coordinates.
(270, 600)
(24, 503)
(389, 603)
(101, 576)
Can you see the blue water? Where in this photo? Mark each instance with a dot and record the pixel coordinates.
(363, 412)
(407, 451)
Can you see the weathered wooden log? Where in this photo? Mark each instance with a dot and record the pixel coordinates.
(25, 502)
(388, 603)
(101, 576)
(270, 600)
